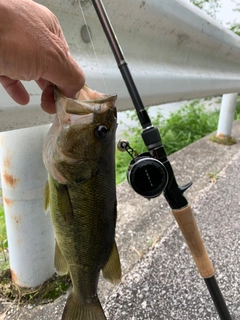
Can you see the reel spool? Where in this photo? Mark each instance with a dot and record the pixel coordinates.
(146, 175)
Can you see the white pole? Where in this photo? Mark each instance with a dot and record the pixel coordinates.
(29, 230)
(226, 117)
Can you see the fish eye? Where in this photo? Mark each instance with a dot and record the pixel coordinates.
(100, 132)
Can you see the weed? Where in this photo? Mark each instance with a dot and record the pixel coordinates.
(227, 141)
(212, 176)
(181, 128)
(3, 236)
(47, 292)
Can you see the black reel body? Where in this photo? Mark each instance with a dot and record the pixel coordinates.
(147, 175)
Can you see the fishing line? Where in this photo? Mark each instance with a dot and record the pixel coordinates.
(93, 47)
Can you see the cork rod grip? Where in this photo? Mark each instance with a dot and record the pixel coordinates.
(189, 228)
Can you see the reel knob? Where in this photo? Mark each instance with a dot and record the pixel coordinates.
(122, 145)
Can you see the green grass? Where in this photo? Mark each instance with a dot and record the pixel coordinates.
(3, 235)
(2, 230)
(3, 240)
(183, 127)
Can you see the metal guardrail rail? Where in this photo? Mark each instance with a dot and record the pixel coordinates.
(176, 52)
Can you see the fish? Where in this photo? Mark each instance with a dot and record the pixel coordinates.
(79, 155)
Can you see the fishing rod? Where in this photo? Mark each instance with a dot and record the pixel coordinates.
(151, 173)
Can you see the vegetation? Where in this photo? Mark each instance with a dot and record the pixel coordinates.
(183, 127)
(227, 141)
(47, 292)
(3, 239)
(234, 26)
(209, 6)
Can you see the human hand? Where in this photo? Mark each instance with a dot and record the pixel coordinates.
(33, 47)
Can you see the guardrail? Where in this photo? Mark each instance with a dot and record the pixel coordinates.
(174, 51)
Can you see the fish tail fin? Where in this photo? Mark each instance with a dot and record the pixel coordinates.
(74, 310)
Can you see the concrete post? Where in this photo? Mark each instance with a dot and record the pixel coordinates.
(29, 230)
(226, 117)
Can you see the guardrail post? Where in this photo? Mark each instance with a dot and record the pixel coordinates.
(29, 230)
(226, 116)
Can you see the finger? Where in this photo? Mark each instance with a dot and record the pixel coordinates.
(15, 89)
(47, 99)
(41, 83)
(65, 73)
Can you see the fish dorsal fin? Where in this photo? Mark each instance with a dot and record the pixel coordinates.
(112, 269)
(60, 263)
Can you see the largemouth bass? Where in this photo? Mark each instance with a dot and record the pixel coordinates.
(79, 155)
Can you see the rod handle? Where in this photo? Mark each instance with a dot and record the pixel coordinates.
(191, 233)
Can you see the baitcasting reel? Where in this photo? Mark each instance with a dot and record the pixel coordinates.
(146, 175)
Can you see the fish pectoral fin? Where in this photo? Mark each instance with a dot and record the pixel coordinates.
(60, 263)
(46, 198)
(112, 269)
(64, 202)
(75, 310)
